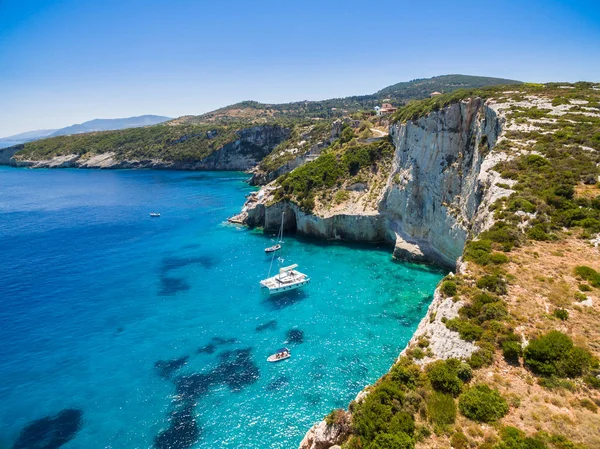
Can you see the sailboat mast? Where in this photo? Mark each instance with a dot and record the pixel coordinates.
(280, 238)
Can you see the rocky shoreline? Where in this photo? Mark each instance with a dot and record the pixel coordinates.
(242, 154)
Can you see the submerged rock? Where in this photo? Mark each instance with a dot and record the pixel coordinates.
(236, 369)
(165, 368)
(295, 336)
(50, 432)
(268, 325)
(278, 383)
(182, 433)
(190, 388)
(170, 286)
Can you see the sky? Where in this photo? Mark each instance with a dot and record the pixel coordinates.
(65, 62)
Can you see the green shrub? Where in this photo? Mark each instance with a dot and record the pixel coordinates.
(444, 377)
(495, 311)
(402, 422)
(474, 309)
(481, 403)
(463, 370)
(478, 251)
(498, 258)
(493, 283)
(556, 383)
(347, 134)
(371, 417)
(579, 296)
(589, 274)
(538, 232)
(448, 288)
(459, 441)
(561, 314)
(511, 350)
(585, 288)
(416, 353)
(441, 409)
(484, 356)
(406, 373)
(341, 196)
(554, 354)
(592, 381)
(513, 438)
(392, 441)
(468, 331)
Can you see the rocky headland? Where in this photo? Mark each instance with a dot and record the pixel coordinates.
(456, 192)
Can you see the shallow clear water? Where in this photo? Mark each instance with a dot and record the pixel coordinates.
(93, 292)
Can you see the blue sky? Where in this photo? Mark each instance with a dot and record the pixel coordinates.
(64, 62)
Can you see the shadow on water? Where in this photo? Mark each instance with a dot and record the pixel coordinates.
(215, 342)
(266, 326)
(171, 285)
(283, 300)
(174, 263)
(50, 432)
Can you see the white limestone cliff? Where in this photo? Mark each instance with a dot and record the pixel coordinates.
(440, 176)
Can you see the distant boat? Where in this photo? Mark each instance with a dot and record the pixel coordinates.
(154, 214)
(288, 277)
(281, 354)
(273, 248)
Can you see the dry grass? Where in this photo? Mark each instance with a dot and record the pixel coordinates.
(542, 279)
(587, 191)
(545, 280)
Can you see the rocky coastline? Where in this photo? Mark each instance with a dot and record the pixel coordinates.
(242, 154)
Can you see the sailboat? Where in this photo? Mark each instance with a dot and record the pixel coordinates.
(277, 246)
(288, 278)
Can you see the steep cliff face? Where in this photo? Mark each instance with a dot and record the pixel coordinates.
(251, 146)
(437, 186)
(432, 193)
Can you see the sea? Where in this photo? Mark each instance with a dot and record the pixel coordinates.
(118, 330)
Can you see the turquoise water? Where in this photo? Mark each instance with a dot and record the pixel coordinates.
(94, 292)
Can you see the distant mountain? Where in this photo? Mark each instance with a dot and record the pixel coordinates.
(398, 94)
(110, 124)
(85, 127)
(28, 136)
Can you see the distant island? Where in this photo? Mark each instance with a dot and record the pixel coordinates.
(85, 127)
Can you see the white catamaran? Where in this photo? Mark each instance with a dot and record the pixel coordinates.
(288, 277)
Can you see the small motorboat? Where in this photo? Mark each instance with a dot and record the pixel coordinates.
(272, 249)
(154, 214)
(281, 354)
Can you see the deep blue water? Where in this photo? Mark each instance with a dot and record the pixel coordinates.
(94, 292)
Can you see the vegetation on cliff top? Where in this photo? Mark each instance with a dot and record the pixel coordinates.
(347, 158)
(177, 143)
